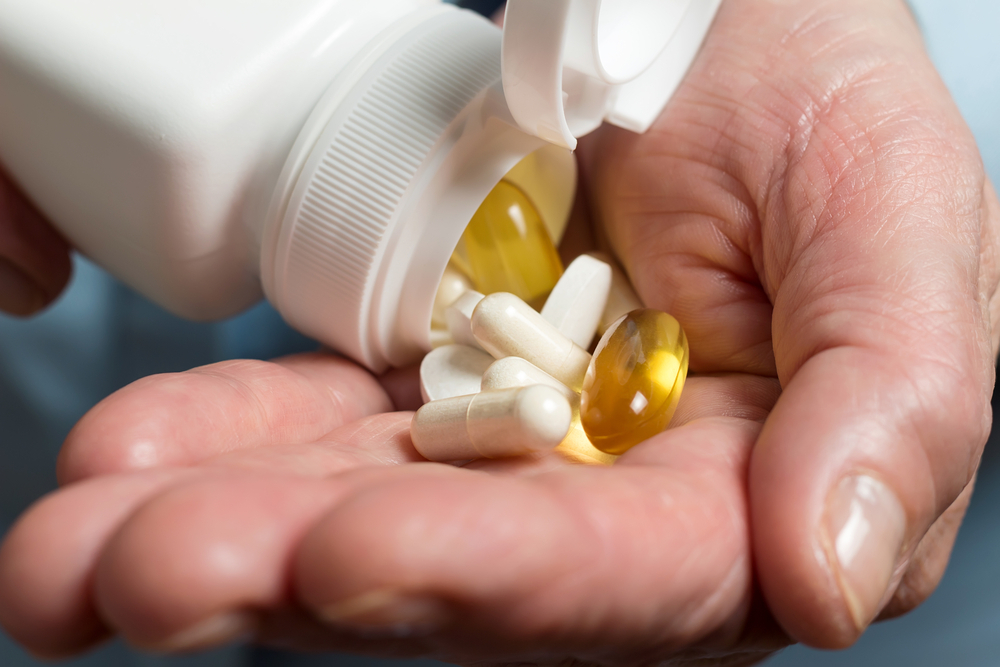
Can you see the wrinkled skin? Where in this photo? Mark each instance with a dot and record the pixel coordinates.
(812, 209)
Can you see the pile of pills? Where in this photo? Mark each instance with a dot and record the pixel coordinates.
(508, 380)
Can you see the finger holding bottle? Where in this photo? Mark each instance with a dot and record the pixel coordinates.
(34, 258)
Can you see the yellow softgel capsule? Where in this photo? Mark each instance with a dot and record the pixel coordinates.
(634, 380)
(506, 248)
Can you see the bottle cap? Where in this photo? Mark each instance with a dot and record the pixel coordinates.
(569, 65)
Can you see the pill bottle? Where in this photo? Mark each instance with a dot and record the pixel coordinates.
(326, 154)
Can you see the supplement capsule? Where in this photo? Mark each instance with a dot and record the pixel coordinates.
(452, 370)
(440, 338)
(622, 298)
(506, 326)
(516, 372)
(577, 302)
(492, 424)
(459, 318)
(453, 284)
(634, 380)
(507, 248)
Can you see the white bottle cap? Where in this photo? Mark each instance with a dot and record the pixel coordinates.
(569, 65)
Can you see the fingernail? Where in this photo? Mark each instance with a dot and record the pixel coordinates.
(865, 525)
(214, 631)
(19, 294)
(387, 614)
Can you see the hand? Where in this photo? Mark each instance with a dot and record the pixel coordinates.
(813, 210)
(34, 259)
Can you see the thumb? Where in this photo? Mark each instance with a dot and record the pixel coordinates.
(34, 258)
(882, 342)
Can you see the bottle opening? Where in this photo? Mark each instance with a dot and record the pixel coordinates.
(510, 243)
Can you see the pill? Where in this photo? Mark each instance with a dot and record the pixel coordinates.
(492, 424)
(634, 380)
(453, 284)
(622, 298)
(440, 337)
(506, 326)
(452, 370)
(577, 302)
(516, 372)
(508, 249)
(459, 318)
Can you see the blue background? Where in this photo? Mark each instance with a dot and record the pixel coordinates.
(101, 336)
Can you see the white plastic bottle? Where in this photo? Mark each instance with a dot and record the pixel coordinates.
(325, 153)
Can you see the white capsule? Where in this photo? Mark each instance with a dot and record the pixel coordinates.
(516, 372)
(459, 317)
(492, 424)
(453, 285)
(622, 298)
(452, 370)
(577, 301)
(440, 338)
(505, 326)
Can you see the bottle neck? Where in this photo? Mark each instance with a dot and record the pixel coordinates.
(351, 195)
(306, 101)
(466, 169)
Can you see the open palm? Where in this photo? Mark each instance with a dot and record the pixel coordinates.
(810, 207)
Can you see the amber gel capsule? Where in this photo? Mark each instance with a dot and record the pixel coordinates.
(634, 380)
(506, 247)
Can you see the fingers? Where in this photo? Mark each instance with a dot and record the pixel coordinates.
(34, 258)
(47, 560)
(649, 557)
(183, 418)
(188, 569)
(158, 531)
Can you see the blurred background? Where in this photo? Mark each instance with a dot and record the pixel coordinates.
(100, 336)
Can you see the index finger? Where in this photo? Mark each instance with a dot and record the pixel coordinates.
(181, 419)
(34, 258)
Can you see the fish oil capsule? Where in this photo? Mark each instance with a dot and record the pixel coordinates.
(516, 372)
(506, 247)
(506, 326)
(492, 424)
(634, 380)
